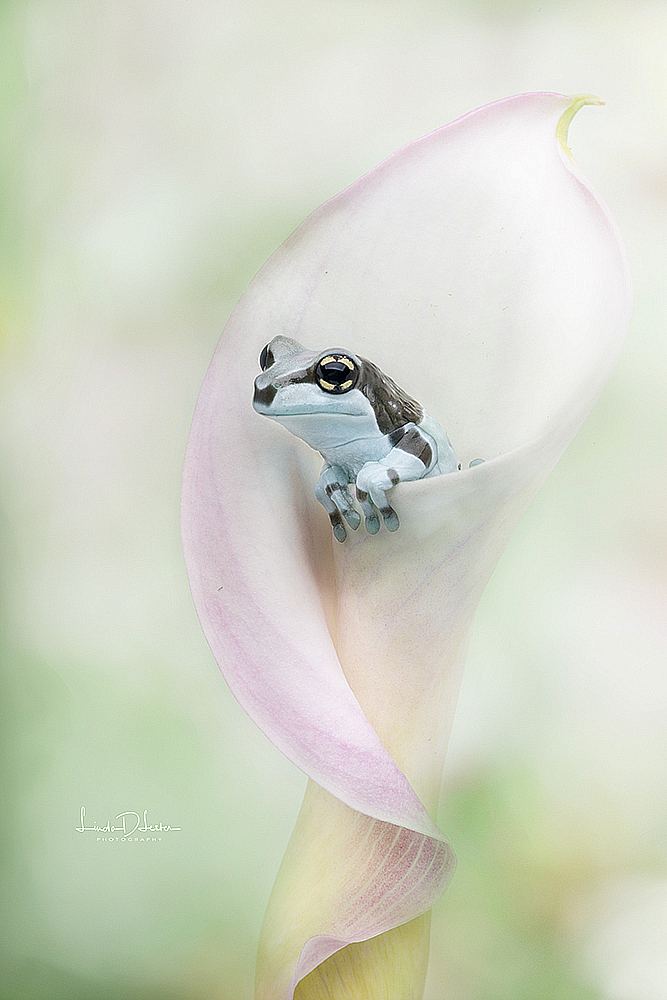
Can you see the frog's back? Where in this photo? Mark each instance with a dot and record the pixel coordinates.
(392, 406)
(394, 409)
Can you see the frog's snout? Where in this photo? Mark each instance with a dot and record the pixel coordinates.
(263, 395)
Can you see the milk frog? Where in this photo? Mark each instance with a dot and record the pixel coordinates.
(370, 433)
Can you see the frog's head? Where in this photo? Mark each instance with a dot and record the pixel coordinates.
(325, 395)
(295, 380)
(312, 393)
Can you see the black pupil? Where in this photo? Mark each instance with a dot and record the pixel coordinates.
(336, 372)
(265, 358)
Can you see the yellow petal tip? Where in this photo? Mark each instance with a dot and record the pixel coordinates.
(577, 101)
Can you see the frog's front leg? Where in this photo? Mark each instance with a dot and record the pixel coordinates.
(413, 455)
(332, 491)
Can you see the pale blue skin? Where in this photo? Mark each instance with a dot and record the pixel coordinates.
(344, 429)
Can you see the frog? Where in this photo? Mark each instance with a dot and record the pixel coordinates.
(371, 434)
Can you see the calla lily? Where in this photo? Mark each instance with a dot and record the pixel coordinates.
(478, 269)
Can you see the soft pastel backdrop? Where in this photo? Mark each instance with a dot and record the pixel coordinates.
(153, 154)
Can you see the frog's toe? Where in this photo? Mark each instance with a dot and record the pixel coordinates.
(353, 518)
(339, 496)
(476, 461)
(370, 512)
(338, 527)
(390, 518)
(372, 524)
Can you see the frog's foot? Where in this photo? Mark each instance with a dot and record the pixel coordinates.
(332, 491)
(372, 484)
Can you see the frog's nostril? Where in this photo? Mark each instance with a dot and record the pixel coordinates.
(264, 396)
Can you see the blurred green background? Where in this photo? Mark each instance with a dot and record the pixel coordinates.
(153, 155)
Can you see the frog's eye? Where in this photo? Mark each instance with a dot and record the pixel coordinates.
(266, 358)
(336, 373)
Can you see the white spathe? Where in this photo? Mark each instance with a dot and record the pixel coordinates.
(479, 270)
